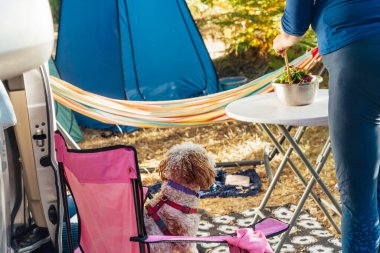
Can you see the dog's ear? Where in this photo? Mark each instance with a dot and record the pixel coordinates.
(161, 169)
(201, 171)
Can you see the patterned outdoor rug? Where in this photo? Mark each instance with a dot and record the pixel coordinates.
(307, 236)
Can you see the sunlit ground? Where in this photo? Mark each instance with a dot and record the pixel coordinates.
(232, 141)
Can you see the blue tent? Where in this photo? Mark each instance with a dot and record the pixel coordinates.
(133, 49)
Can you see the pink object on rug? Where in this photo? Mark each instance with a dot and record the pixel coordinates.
(248, 241)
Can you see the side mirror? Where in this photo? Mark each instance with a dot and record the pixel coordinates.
(26, 36)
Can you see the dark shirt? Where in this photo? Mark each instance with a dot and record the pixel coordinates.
(337, 23)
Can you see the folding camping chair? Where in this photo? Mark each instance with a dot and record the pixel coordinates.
(106, 186)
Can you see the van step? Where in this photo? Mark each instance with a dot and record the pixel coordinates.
(31, 240)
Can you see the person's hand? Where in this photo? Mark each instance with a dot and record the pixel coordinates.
(283, 41)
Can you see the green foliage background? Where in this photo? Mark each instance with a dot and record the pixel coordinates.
(250, 23)
(55, 6)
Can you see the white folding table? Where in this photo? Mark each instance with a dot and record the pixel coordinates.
(265, 109)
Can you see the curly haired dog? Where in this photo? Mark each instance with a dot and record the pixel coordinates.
(185, 170)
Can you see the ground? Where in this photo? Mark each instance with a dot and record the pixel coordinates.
(232, 141)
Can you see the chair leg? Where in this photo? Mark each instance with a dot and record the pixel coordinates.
(66, 207)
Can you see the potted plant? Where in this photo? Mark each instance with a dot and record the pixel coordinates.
(296, 86)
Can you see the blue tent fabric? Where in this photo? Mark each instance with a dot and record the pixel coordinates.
(222, 190)
(88, 50)
(169, 58)
(133, 49)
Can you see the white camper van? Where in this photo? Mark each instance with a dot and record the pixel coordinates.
(29, 209)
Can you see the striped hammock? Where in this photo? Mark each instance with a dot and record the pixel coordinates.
(174, 113)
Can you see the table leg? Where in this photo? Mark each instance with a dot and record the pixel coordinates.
(298, 173)
(308, 165)
(325, 152)
(266, 161)
(295, 170)
(264, 201)
(281, 141)
(269, 155)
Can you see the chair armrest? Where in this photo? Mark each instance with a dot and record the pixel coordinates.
(138, 239)
(245, 240)
(268, 226)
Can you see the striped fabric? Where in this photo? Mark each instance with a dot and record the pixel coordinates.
(175, 113)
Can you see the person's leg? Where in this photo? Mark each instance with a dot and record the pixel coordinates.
(354, 124)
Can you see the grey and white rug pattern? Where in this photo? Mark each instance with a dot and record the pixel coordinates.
(307, 236)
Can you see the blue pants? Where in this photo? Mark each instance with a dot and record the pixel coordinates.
(354, 125)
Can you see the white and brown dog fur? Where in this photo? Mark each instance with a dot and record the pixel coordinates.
(190, 166)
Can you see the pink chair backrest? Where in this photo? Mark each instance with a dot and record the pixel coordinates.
(101, 184)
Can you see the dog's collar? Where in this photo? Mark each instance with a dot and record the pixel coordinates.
(183, 189)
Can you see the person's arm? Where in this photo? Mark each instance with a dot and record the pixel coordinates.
(294, 23)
